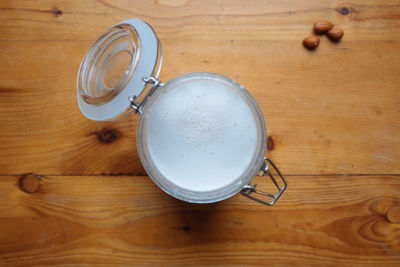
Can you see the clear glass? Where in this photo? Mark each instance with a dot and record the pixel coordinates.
(109, 64)
(190, 128)
(200, 126)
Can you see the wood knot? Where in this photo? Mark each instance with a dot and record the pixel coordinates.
(187, 228)
(393, 214)
(106, 136)
(270, 143)
(30, 183)
(56, 12)
(344, 11)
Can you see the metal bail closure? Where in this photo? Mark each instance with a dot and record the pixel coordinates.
(155, 83)
(248, 189)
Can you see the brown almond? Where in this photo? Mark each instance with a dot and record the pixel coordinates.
(322, 26)
(311, 42)
(335, 34)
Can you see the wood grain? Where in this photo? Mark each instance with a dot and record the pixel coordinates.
(321, 221)
(333, 119)
(332, 111)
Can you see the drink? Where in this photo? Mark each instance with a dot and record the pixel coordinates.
(201, 136)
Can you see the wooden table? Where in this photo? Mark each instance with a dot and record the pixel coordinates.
(333, 119)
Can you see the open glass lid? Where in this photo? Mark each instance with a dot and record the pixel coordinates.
(113, 69)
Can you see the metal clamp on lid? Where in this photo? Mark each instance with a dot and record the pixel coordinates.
(248, 189)
(155, 83)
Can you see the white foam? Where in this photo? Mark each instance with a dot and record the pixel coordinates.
(201, 135)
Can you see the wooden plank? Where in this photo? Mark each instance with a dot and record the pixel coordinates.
(335, 110)
(320, 221)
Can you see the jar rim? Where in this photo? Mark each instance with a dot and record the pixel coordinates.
(201, 196)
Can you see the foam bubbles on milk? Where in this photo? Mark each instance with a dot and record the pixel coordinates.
(201, 136)
(200, 125)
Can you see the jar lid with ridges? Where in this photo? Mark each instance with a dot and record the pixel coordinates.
(113, 69)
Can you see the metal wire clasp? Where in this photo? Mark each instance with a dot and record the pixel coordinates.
(155, 83)
(264, 170)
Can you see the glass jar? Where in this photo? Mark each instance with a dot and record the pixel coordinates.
(201, 136)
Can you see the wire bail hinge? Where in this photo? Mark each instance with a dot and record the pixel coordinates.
(264, 170)
(155, 83)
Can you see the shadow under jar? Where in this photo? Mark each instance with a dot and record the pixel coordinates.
(201, 136)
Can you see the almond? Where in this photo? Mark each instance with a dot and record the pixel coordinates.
(322, 26)
(335, 34)
(311, 42)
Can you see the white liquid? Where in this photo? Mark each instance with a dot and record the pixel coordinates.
(201, 135)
